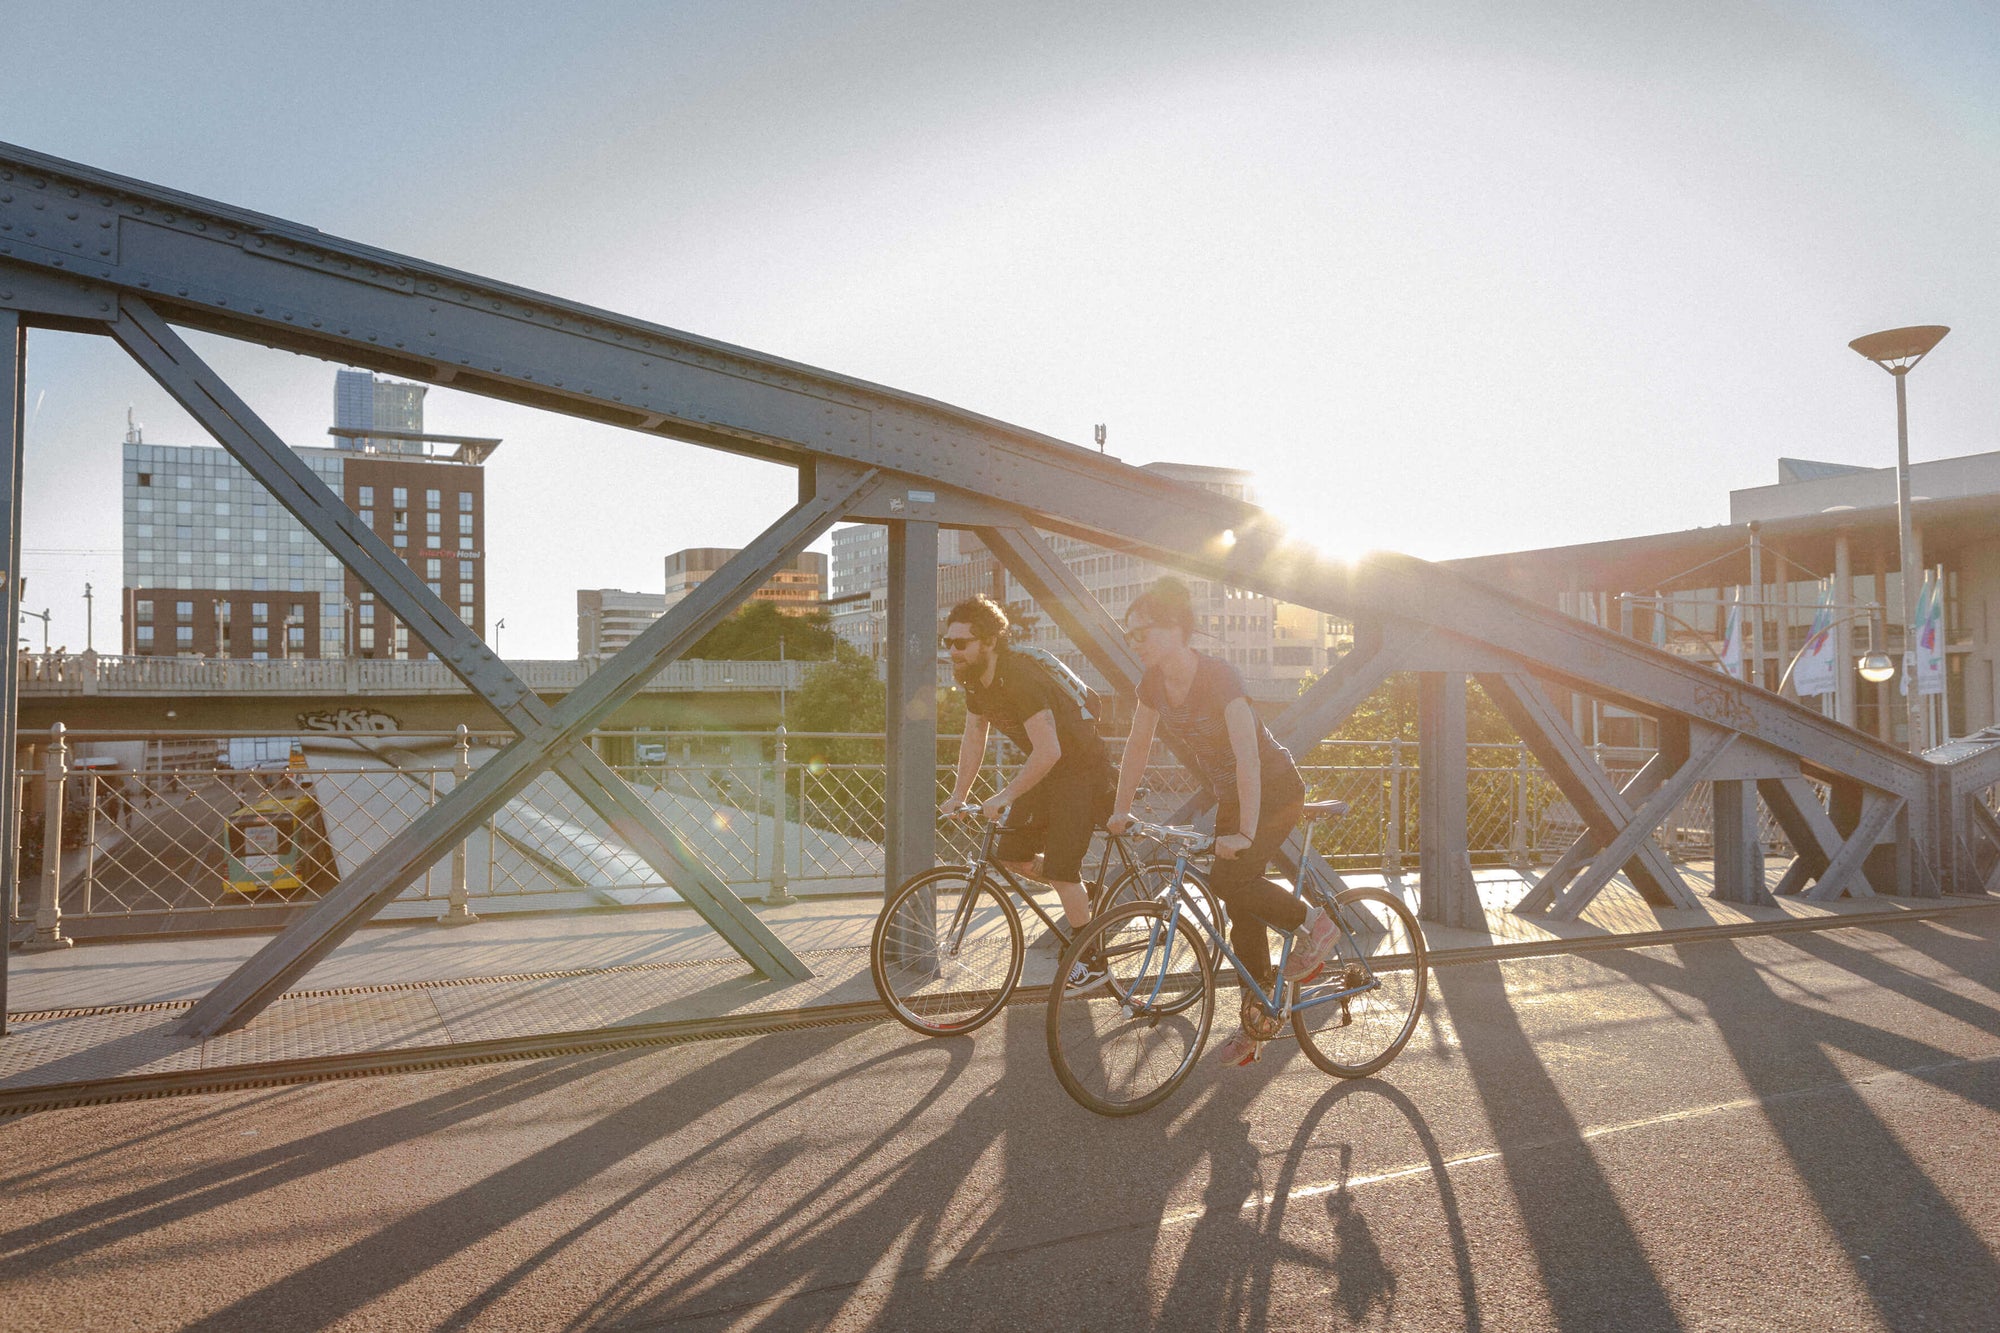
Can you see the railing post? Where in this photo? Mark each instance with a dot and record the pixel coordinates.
(458, 911)
(1392, 851)
(1517, 838)
(778, 895)
(48, 907)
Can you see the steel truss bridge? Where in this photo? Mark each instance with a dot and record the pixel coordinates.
(87, 251)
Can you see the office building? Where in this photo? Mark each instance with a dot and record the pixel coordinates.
(798, 590)
(214, 567)
(608, 618)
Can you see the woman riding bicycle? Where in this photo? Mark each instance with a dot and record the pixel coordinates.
(1259, 795)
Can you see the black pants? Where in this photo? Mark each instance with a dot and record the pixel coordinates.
(1254, 902)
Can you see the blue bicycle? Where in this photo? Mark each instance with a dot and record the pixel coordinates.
(1121, 1044)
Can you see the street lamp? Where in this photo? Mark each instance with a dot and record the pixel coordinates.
(1898, 351)
(498, 625)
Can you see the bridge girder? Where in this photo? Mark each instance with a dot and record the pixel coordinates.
(87, 250)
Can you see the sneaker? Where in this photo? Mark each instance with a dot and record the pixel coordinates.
(1241, 1049)
(1311, 944)
(1083, 976)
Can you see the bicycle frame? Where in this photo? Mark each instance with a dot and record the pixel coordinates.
(981, 865)
(1282, 1007)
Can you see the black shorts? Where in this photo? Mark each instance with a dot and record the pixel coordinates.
(1057, 818)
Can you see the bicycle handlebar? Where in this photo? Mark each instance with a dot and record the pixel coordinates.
(1191, 842)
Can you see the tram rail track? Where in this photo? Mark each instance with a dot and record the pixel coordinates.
(30, 1099)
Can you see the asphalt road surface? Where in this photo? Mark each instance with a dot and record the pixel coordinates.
(1792, 1132)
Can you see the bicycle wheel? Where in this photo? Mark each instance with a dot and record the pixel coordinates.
(946, 952)
(1152, 883)
(1379, 958)
(1122, 1045)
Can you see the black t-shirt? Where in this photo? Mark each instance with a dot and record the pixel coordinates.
(1021, 688)
(1198, 723)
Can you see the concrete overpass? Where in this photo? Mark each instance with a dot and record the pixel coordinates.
(99, 692)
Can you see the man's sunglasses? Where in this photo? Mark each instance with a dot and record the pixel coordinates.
(956, 645)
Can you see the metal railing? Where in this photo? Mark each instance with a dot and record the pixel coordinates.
(167, 838)
(65, 674)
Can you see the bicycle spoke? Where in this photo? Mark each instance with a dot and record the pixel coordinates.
(1122, 1045)
(1357, 1013)
(946, 952)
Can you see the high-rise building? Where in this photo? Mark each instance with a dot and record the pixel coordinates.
(214, 566)
(363, 403)
(608, 618)
(798, 589)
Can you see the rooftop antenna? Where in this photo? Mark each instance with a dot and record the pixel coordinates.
(134, 432)
(1100, 437)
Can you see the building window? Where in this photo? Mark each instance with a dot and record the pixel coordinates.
(296, 637)
(437, 589)
(259, 634)
(183, 610)
(465, 592)
(400, 539)
(365, 495)
(399, 520)
(465, 543)
(184, 636)
(433, 569)
(465, 613)
(145, 636)
(434, 523)
(399, 498)
(367, 613)
(144, 609)
(368, 636)
(433, 499)
(146, 479)
(465, 502)
(367, 517)
(465, 524)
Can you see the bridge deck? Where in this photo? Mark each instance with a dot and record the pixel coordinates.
(109, 1011)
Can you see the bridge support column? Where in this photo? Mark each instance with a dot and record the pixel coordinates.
(909, 834)
(1449, 896)
(13, 386)
(48, 903)
(1739, 852)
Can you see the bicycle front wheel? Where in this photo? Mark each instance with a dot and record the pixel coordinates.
(1359, 1011)
(1153, 883)
(946, 952)
(1122, 1044)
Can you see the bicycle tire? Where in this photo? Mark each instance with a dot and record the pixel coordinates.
(1148, 883)
(955, 989)
(1355, 1036)
(1115, 1047)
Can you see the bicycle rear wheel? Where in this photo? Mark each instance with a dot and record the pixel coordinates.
(1123, 1045)
(946, 952)
(1360, 1010)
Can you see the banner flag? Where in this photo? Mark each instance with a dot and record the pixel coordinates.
(1930, 638)
(1659, 621)
(1732, 642)
(1813, 671)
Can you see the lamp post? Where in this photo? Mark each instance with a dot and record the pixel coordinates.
(498, 625)
(1898, 351)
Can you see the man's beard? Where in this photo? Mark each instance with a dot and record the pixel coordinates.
(965, 673)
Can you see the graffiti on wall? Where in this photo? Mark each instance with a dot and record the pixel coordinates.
(348, 720)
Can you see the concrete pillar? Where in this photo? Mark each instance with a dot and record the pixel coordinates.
(909, 836)
(1739, 853)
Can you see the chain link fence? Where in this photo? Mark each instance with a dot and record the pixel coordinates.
(180, 832)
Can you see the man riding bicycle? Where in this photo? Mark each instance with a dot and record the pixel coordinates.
(1063, 790)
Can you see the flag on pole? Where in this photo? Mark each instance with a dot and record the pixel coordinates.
(1732, 639)
(1930, 638)
(1659, 620)
(1813, 670)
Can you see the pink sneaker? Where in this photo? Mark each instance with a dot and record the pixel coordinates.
(1310, 946)
(1241, 1049)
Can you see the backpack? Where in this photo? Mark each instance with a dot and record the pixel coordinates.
(1089, 702)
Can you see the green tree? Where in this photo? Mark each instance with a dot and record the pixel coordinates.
(752, 634)
(840, 694)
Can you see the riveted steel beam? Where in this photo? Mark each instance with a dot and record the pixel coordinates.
(910, 838)
(273, 969)
(1450, 897)
(1604, 809)
(13, 391)
(1705, 747)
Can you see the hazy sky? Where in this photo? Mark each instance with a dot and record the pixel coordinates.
(1452, 278)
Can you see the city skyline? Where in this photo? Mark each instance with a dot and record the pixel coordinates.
(1450, 282)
